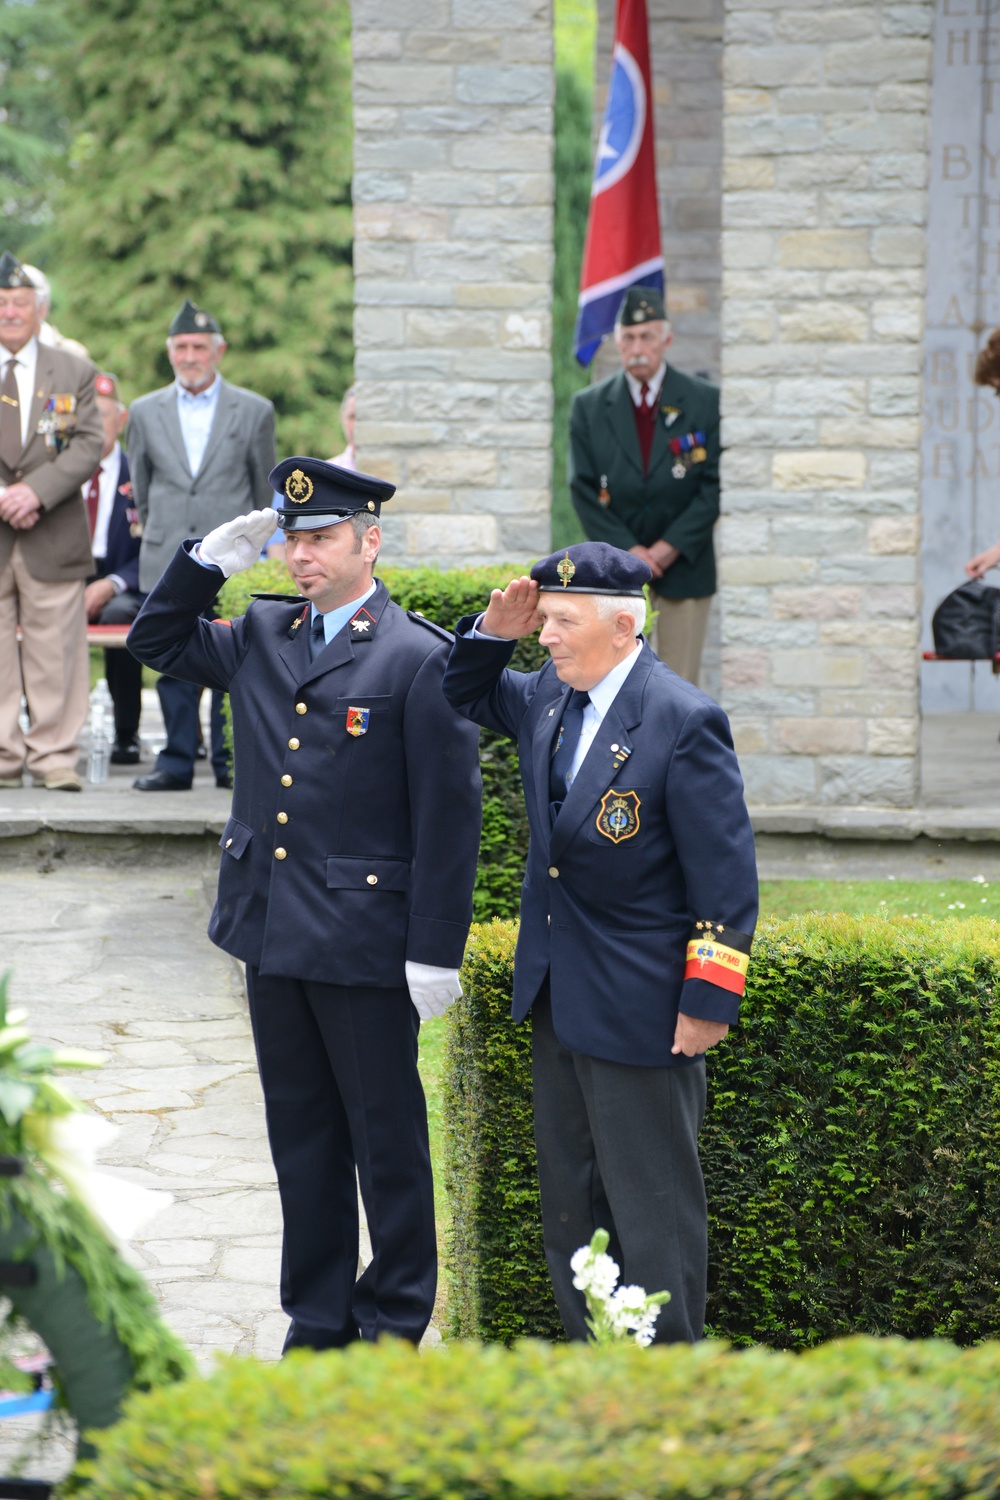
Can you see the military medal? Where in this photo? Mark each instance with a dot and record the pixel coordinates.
(687, 450)
(58, 421)
(618, 818)
(357, 721)
(603, 498)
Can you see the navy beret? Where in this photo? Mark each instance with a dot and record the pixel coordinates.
(313, 493)
(592, 568)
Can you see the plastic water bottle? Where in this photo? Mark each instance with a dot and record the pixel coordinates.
(101, 717)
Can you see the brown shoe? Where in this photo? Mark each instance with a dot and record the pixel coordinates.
(8, 783)
(62, 781)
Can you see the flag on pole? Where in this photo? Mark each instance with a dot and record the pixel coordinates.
(623, 235)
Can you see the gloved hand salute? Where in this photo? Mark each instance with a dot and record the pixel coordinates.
(236, 545)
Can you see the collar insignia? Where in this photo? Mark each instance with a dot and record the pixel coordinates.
(362, 622)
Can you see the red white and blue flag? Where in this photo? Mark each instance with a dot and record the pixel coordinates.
(623, 235)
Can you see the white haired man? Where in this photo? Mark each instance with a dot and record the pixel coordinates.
(200, 451)
(50, 444)
(637, 912)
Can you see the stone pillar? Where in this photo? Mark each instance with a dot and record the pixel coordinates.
(826, 142)
(453, 271)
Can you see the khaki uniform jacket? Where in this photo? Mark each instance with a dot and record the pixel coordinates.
(605, 460)
(57, 548)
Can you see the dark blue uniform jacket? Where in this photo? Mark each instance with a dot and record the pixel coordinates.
(608, 915)
(380, 828)
(124, 536)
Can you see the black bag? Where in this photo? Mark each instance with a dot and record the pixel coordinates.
(966, 624)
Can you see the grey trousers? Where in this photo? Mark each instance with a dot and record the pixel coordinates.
(618, 1150)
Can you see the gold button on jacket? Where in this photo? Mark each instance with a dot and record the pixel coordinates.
(280, 853)
(282, 817)
(300, 708)
(293, 743)
(286, 780)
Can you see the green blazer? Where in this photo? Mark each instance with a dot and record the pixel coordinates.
(604, 452)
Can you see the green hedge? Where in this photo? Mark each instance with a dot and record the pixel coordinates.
(444, 597)
(856, 1418)
(851, 1146)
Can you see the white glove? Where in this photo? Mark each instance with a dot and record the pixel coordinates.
(432, 990)
(237, 544)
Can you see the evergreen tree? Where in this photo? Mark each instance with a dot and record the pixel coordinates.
(213, 161)
(34, 36)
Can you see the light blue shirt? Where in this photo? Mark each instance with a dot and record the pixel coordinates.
(336, 619)
(196, 415)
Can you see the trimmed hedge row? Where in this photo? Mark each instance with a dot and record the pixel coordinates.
(851, 1145)
(856, 1418)
(444, 597)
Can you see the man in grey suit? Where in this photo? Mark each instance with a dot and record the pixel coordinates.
(200, 451)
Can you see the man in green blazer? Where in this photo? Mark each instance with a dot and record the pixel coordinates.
(644, 473)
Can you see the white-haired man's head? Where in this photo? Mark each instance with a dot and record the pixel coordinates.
(587, 635)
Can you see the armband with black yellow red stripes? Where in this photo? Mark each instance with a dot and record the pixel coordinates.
(719, 954)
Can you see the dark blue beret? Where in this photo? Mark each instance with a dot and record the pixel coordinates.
(592, 568)
(312, 493)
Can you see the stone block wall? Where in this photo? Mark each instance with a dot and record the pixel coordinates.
(825, 141)
(453, 269)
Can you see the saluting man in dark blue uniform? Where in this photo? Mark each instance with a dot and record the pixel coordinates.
(346, 879)
(637, 913)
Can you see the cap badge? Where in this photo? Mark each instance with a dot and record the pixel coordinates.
(618, 818)
(201, 320)
(371, 505)
(298, 487)
(566, 569)
(357, 721)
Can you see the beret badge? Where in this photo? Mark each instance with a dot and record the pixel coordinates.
(298, 487)
(566, 569)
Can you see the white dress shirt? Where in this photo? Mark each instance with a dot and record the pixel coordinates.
(108, 472)
(196, 414)
(653, 393)
(601, 698)
(25, 365)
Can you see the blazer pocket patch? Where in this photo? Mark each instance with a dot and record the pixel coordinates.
(235, 839)
(618, 816)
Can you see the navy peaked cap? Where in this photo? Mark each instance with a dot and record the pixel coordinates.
(311, 493)
(592, 568)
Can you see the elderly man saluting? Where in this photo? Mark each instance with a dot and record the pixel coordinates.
(50, 444)
(637, 913)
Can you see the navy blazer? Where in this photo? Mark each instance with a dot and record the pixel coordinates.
(611, 894)
(353, 764)
(124, 535)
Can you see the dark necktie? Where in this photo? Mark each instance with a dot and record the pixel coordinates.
(566, 743)
(317, 637)
(10, 419)
(93, 500)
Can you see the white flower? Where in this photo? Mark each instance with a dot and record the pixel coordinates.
(595, 1273)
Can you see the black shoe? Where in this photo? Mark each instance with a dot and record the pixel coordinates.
(225, 780)
(160, 781)
(125, 752)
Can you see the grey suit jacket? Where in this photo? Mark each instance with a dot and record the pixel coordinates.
(231, 480)
(57, 548)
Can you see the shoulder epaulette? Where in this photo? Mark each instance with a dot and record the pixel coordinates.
(419, 619)
(282, 598)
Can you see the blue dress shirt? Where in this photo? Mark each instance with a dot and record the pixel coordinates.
(196, 415)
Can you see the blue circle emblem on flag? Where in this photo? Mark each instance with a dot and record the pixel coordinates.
(624, 121)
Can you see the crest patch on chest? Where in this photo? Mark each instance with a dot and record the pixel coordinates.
(357, 720)
(618, 818)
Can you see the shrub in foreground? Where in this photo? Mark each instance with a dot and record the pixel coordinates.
(855, 1418)
(851, 1145)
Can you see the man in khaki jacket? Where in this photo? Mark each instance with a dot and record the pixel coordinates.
(50, 444)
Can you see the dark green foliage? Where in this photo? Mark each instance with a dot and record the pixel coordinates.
(444, 597)
(573, 167)
(854, 1419)
(499, 1288)
(213, 160)
(35, 35)
(851, 1148)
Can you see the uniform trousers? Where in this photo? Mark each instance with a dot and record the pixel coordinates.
(681, 625)
(618, 1150)
(121, 669)
(50, 668)
(179, 702)
(343, 1096)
